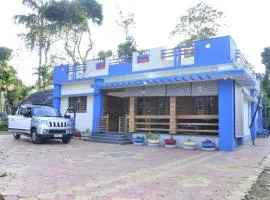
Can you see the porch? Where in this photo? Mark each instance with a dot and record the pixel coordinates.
(183, 115)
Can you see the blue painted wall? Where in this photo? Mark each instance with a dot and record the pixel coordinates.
(60, 74)
(97, 106)
(120, 69)
(218, 52)
(226, 115)
(57, 96)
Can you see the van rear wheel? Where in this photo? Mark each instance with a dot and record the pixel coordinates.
(16, 135)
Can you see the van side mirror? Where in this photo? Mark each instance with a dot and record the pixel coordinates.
(67, 116)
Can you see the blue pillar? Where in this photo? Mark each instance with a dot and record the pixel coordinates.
(226, 115)
(252, 112)
(97, 105)
(57, 96)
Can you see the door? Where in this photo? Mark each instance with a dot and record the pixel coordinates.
(19, 122)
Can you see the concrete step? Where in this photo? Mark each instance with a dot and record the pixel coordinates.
(108, 141)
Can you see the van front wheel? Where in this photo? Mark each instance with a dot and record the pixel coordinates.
(16, 135)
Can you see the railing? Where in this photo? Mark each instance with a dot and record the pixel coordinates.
(118, 60)
(123, 124)
(103, 124)
(153, 123)
(197, 124)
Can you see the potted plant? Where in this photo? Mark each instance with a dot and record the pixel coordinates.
(208, 145)
(153, 140)
(85, 133)
(139, 140)
(189, 144)
(170, 143)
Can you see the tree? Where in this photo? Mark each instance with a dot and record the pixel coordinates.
(200, 22)
(7, 76)
(71, 21)
(266, 61)
(5, 55)
(126, 24)
(39, 32)
(17, 94)
(104, 54)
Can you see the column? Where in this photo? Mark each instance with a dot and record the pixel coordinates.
(173, 120)
(252, 112)
(132, 114)
(57, 96)
(97, 106)
(226, 115)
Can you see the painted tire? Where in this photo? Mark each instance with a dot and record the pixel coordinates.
(170, 142)
(189, 147)
(170, 146)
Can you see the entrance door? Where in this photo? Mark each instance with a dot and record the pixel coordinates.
(116, 107)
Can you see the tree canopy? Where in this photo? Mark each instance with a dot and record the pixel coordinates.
(5, 55)
(200, 22)
(71, 21)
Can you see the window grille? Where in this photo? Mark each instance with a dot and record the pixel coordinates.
(205, 105)
(79, 104)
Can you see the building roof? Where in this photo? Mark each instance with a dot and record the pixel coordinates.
(41, 98)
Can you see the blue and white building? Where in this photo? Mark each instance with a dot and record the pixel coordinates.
(207, 90)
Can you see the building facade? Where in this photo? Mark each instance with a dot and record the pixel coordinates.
(206, 90)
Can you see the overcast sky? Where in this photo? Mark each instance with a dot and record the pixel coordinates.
(247, 21)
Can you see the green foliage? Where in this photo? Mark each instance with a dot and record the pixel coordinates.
(200, 22)
(151, 136)
(71, 22)
(126, 48)
(5, 55)
(17, 94)
(126, 23)
(3, 124)
(39, 33)
(104, 54)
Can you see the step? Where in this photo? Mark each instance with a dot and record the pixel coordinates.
(109, 139)
(122, 142)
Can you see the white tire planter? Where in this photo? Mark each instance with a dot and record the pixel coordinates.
(208, 149)
(170, 146)
(153, 143)
(138, 143)
(189, 145)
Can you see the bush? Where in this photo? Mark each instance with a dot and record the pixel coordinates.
(3, 124)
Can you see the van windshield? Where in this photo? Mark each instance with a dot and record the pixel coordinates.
(45, 112)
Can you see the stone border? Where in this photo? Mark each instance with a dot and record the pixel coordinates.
(242, 188)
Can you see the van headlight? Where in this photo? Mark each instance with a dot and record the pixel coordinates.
(42, 122)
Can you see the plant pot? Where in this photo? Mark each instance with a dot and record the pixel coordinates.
(170, 141)
(208, 145)
(189, 145)
(153, 143)
(138, 141)
(170, 146)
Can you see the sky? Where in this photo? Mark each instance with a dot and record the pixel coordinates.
(246, 21)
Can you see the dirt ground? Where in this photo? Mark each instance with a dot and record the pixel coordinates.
(261, 189)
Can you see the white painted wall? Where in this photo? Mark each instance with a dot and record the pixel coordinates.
(83, 120)
(155, 61)
(246, 117)
(77, 88)
(91, 70)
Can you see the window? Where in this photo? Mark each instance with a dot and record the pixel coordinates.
(205, 105)
(77, 103)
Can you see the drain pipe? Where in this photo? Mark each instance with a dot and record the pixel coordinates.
(253, 119)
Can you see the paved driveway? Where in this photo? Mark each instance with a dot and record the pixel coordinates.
(83, 170)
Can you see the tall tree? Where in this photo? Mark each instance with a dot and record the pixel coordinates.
(7, 76)
(126, 23)
(266, 61)
(201, 22)
(72, 22)
(39, 33)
